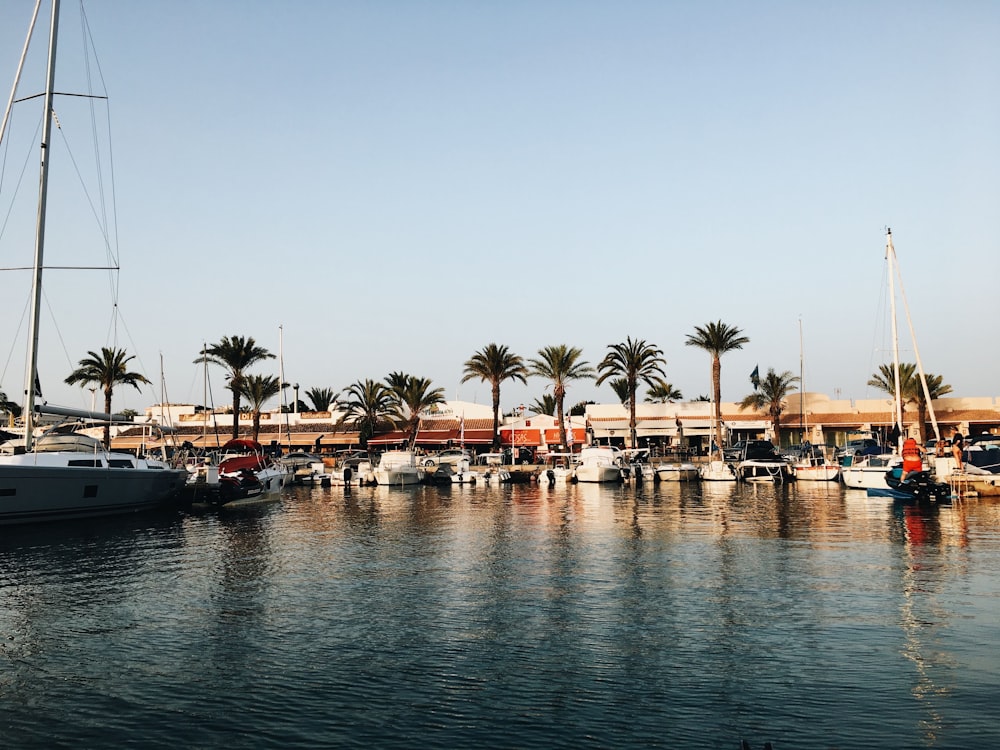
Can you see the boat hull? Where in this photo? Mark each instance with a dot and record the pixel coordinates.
(823, 473)
(677, 472)
(598, 474)
(50, 488)
(397, 477)
(765, 471)
(717, 471)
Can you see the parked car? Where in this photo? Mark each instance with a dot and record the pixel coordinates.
(452, 456)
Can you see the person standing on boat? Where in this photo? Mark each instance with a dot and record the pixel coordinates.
(912, 457)
(957, 444)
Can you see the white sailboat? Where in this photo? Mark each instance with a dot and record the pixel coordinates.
(716, 469)
(869, 472)
(78, 478)
(813, 465)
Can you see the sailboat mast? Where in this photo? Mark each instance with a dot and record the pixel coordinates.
(916, 352)
(890, 254)
(31, 375)
(802, 375)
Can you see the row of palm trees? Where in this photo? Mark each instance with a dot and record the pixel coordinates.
(400, 398)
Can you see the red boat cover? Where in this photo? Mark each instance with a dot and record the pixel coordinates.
(238, 463)
(254, 460)
(243, 444)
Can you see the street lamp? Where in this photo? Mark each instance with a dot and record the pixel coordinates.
(296, 406)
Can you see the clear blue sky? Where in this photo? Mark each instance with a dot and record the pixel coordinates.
(397, 184)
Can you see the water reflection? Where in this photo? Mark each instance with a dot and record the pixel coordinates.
(654, 615)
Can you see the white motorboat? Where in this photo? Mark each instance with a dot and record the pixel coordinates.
(557, 469)
(599, 463)
(463, 473)
(637, 467)
(717, 470)
(82, 479)
(397, 468)
(762, 463)
(868, 471)
(677, 472)
(815, 466)
(816, 471)
(354, 471)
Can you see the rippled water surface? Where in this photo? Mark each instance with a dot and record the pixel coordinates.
(517, 616)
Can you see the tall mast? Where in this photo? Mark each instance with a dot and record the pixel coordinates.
(890, 254)
(802, 387)
(43, 189)
(916, 352)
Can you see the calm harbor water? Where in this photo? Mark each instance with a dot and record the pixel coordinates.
(513, 617)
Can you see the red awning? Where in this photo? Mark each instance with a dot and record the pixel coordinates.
(476, 437)
(552, 435)
(527, 437)
(389, 438)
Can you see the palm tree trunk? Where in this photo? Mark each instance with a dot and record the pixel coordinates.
(717, 398)
(562, 422)
(631, 414)
(496, 420)
(236, 413)
(107, 427)
(256, 426)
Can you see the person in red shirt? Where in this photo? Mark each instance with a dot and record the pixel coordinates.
(912, 457)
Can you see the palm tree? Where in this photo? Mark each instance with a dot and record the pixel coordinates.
(663, 393)
(106, 370)
(770, 397)
(544, 405)
(396, 380)
(717, 339)
(9, 406)
(635, 361)
(560, 364)
(236, 354)
(257, 389)
(413, 395)
(323, 399)
(494, 364)
(911, 389)
(368, 403)
(620, 387)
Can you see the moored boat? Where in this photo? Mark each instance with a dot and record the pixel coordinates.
(917, 486)
(397, 468)
(557, 469)
(243, 455)
(815, 466)
(677, 472)
(762, 463)
(600, 464)
(78, 480)
(717, 470)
